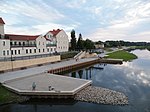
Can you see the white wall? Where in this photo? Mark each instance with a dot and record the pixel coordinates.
(62, 45)
(62, 41)
(1, 29)
(6, 50)
(50, 37)
(4, 47)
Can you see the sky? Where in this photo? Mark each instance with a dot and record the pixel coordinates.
(96, 20)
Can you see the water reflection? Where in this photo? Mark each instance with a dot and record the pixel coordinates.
(73, 74)
(131, 78)
(80, 72)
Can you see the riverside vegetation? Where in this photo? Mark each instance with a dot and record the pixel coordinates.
(8, 97)
(122, 54)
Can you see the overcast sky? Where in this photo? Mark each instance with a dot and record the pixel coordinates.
(95, 19)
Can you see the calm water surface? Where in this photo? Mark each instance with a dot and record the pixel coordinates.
(131, 78)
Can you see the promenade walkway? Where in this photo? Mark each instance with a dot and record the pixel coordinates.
(40, 69)
(47, 85)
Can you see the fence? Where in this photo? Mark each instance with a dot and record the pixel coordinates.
(28, 57)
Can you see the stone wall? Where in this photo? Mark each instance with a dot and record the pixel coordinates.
(9, 65)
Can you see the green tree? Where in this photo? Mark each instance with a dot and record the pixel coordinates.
(73, 40)
(80, 42)
(88, 44)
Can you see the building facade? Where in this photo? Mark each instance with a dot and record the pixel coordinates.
(12, 45)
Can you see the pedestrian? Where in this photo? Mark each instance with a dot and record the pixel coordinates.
(33, 86)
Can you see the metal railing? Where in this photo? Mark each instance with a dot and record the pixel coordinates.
(49, 45)
(26, 45)
(28, 57)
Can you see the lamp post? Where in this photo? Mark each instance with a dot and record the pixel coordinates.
(11, 54)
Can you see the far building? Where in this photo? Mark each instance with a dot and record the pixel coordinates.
(14, 45)
(99, 46)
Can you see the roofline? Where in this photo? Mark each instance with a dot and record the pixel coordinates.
(2, 20)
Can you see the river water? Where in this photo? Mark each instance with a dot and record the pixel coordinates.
(131, 78)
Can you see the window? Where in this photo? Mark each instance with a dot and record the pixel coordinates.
(26, 51)
(47, 50)
(15, 43)
(19, 43)
(12, 52)
(43, 43)
(7, 52)
(54, 49)
(15, 52)
(23, 43)
(39, 43)
(39, 50)
(30, 50)
(4, 53)
(3, 43)
(10, 43)
(18, 51)
(51, 49)
(43, 50)
(34, 50)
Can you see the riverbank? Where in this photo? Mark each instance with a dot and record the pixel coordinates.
(101, 96)
(138, 47)
(7, 97)
(121, 54)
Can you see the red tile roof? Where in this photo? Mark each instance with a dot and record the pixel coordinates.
(1, 21)
(55, 32)
(22, 37)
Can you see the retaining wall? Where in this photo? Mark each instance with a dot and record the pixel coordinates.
(20, 64)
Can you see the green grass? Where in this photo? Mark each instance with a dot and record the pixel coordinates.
(126, 56)
(8, 97)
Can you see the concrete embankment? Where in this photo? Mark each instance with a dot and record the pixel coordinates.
(22, 64)
(101, 96)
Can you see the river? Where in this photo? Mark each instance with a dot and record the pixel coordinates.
(131, 78)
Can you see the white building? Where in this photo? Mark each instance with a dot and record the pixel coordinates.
(61, 40)
(12, 45)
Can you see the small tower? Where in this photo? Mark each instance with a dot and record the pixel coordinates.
(1, 26)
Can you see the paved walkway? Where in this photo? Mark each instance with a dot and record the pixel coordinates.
(36, 70)
(61, 85)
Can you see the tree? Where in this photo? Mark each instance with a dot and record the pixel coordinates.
(73, 40)
(88, 44)
(80, 42)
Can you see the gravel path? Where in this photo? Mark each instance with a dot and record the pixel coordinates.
(101, 96)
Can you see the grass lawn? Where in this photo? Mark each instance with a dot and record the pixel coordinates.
(126, 56)
(7, 96)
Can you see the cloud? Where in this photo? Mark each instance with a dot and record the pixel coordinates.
(37, 10)
(135, 72)
(97, 20)
(75, 3)
(39, 29)
(124, 26)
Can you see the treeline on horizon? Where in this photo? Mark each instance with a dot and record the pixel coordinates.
(80, 44)
(111, 43)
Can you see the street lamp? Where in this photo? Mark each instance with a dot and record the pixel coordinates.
(11, 54)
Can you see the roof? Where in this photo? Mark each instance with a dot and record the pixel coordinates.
(55, 32)
(1, 21)
(22, 37)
